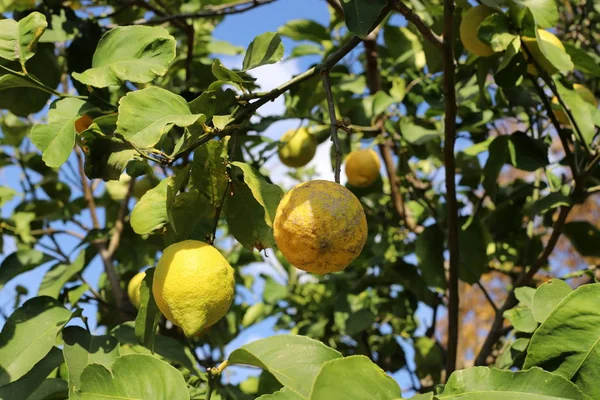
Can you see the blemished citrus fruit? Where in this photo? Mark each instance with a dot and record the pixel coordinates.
(534, 48)
(320, 227)
(583, 92)
(193, 285)
(83, 123)
(133, 289)
(468, 30)
(298, 148)
(362, 167)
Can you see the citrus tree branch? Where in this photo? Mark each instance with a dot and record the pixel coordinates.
(450, 169)
(333, 123)
(412, 17)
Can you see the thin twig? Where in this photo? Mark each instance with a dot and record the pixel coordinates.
(115, 239)
(334, 124)
(487, 296)
(53, 231)
(451, 202)
(410, 15)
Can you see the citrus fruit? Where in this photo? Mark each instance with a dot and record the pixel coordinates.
(298, 148)
(133, 289)
(84, 122)
(534, 48)
(583, 92)
(362, 167)
(468, 30)
(320, 227)
(193, 285)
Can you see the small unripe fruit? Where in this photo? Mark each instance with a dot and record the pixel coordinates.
(533, 47)
(362, 167)
(298, 148)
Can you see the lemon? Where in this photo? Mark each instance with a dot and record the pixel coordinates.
(298, 148)
(468, 30)
(133, 289)
(82, 123)
(320, 227)
(583, 92)
(534, 48)
(193, 285)
(362, 167)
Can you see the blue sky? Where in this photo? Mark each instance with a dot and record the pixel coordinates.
(239, 30)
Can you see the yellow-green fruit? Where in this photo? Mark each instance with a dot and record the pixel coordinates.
(133, 289)
(298, 148)
(362, 167)
(534, 48)
(468, 30)
(193, 285)
(320, 227)
(142, 186)
(583, 92)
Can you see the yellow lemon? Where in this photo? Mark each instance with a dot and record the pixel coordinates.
(133, 289)
(583, 92)
(298, 148)
(193, 285)
(468, 30)
(320, 227)
(362, 167)
(534, 48)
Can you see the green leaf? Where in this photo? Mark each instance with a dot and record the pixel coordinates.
(150, 213)
(495, 31)
(525, 295)
(23, 98)
(545, 12)
(168, 348)
(28, 335)
(190, 214)
(6, 194)
(209, 170)
(108, 155)
(274, 291)
(57, 138)
(583, 61)
(581, 111)
(417, 134)
(246, 218)
(20, 262)
(429, 357)
(550, 202)
(381, 102)
(13, 129)
(267, 194)
(18, 40)
(584, 237)
(521, 318)
(50, 389)
(527, 153)
(148, 314)
(424, 396)
(81, 349)
(361, 15)
(353, 378)
(495, 384)
(133, 376)
(264, 49)
(129, 53)
(304, 29)
(295, 361)
(429, 249)
(225, 74)
(568, 341)
(25, 386)
(474, 241)
(16, 5)
(556, 55)
(146, 115)
(547, 297)
(283, 394)
(59, 275)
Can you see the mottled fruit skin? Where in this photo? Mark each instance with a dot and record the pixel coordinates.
(583, 92)
(298, 148)
(468, 30)
(534, 48)
(83, 123)
(320, 227)
(133, 289)
(193, 285)
(362, 167)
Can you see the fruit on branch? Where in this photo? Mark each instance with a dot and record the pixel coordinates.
(193, 285)
(468, 30)
(533, 46)
(583, 92)
(298, 147)
(83, 123)
(133, 289)
(362, 167)
(320, 227)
